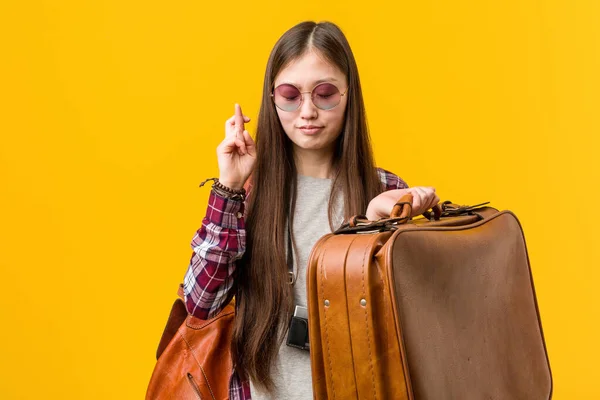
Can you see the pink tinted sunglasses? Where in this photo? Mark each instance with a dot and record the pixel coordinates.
(324, 96)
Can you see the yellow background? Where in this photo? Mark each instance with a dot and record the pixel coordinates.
(111, 113)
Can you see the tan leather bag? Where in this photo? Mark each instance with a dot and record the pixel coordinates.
(193, 356)
(426, 309)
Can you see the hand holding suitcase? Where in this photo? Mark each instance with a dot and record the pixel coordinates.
(435, 308)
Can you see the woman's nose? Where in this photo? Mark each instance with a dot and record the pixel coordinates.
(307, 108)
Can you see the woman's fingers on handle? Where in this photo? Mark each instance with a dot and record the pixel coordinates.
(433, 197)
(424, 198)
(427, 199)
(418, 195)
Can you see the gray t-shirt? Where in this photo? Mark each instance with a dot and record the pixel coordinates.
(291, 371)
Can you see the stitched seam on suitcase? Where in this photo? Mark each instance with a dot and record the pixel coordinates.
(367, 322)
(326, 330)
(191, 350)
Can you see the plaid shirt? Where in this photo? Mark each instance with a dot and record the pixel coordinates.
(220, 241)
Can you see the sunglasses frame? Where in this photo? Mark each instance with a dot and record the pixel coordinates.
(311, 96)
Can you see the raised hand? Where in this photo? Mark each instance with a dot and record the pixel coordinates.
(236, 154)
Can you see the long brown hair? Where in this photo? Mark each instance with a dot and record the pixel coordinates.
(264, 298)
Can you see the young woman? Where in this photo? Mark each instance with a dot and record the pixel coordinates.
(311, 166)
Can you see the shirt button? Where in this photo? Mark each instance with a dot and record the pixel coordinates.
(239, 215)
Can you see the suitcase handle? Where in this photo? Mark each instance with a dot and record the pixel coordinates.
(401, 214)
(446, 209)
(403, 208)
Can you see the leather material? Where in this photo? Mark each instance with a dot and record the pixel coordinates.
(196, 362)
(427, 309)
(176, 317)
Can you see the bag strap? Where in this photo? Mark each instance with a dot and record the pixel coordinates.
(177, 316)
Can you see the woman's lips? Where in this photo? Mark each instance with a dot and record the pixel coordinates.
(311, 131)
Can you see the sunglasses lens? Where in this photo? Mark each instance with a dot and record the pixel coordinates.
(326, 96)
(287, 97)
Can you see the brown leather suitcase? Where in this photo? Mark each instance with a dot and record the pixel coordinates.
(432, 308)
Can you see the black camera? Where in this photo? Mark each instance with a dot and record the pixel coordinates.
(298, 332)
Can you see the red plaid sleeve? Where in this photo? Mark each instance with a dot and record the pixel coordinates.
(390, 180)
(238, 389)
(220, 241)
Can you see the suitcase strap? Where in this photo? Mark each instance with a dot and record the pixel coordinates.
(401, 214)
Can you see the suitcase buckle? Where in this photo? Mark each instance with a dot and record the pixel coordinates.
(367, 226)
(451, 209)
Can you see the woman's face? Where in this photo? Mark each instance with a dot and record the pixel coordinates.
(305, 73)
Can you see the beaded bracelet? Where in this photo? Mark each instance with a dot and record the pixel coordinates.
(219, 188)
